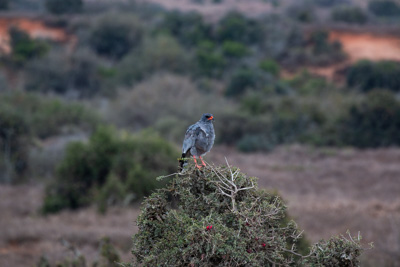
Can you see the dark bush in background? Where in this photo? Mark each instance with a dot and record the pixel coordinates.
(64, 6)
(368, 75)
(80, 74)
(375, 122)
(14, 138)
(45, 117)
(346, 14)
(189, 28)
(156, 54)
(243, 80)
(210, 62)
(25, 117)
(23, 47)
(384, 8)
(236, 27)
(112, 168)
(115, 35)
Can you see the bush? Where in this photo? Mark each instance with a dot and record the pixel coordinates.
(236, 27)
(210, 62)
(23, 47)
(159, 53)
(81, 74)
(270, 66)
(384, 8)
(263, 122)
(349, 15)
(64, 6)
(368, 75)
(375, 122)
(45, 117)
(244, 79)
(220, 218)
(112, 168)
(302, 12)
(114, 35)
(188, 28)
(234, 49)
(14, 138)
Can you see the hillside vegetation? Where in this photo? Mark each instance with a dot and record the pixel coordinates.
(95, 96)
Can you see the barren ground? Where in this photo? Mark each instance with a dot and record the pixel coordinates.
(327, 191)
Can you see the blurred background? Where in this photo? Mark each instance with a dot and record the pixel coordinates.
(95, 97)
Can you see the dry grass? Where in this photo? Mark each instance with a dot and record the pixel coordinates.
(327, 191)
(25, 235)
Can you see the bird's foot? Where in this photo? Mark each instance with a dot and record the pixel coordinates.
(198, 166)
(202, 162)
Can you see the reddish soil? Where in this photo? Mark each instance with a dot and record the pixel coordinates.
(360, 46)
(35, 28)
(328, 191)
(368, 46)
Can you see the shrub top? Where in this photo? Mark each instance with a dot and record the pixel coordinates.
(219, 217)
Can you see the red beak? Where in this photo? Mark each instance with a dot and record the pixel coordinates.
(211, 118)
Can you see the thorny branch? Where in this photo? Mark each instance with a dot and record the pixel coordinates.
(228, 187)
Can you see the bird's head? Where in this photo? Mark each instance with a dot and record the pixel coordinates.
(207, 117)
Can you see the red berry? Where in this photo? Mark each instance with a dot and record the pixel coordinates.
(263, 244)
(210, 227)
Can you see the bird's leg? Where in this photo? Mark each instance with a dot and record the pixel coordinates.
(202, 161)
(195, 162)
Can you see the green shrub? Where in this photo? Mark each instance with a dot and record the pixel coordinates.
(234, 49)
(158, 53)
(368, 75)
(384, 8)
(79, 75)
(349, 15)
(14, 139)
(375, 122)
(45, 117)
(64, 6)
(236, 27)
(263, 122)
(48, 74)
(112, 168)
(188, 28)
(302, 12)
(220, 218)
(270, 66)
(115, 35)
(242, 80)
(23, 47)
(209, 61)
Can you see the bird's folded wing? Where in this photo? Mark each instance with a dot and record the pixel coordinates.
(191, 136)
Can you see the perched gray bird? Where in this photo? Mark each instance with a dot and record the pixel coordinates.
(199, 139)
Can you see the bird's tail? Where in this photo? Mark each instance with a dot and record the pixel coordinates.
(182, 161)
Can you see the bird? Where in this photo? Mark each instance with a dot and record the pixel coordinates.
(199, 139)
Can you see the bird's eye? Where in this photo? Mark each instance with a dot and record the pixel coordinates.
(207, 116)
